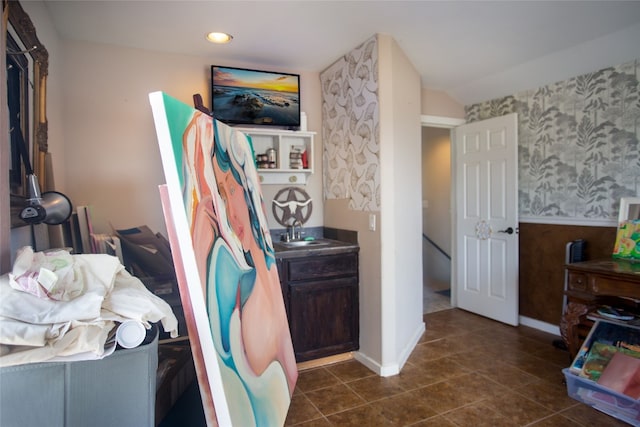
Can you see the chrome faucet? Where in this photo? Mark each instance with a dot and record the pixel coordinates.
(291, 231)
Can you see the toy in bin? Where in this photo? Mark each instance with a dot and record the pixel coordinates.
(602, 398)
(605, 373)
(615, 313)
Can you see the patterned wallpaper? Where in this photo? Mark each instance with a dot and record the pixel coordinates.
(578, 147)
(350, 136)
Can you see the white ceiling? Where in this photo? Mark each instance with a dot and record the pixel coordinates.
(473, 50)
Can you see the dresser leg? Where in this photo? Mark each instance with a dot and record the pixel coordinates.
(573, 314)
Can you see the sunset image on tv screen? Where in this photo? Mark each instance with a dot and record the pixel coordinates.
(242, 96)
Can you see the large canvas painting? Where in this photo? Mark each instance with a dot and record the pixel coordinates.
(225, 261)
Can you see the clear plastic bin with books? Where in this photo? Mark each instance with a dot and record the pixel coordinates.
(605, 374)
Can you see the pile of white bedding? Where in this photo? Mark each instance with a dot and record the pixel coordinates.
(56, 306)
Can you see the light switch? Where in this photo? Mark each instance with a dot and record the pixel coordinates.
(372, 222)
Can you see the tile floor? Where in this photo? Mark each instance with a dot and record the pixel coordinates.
(433, 298)
(466, 371)
(434, 301)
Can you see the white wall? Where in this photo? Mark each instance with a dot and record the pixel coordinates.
(111, 153)
(438, 103)
(390, 256)
(401, 224)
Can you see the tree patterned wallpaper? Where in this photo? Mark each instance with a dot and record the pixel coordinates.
(578, 147)
(350, 135)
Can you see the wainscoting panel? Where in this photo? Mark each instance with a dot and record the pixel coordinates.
(542, 259)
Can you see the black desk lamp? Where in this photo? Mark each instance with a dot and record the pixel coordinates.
(50, 207)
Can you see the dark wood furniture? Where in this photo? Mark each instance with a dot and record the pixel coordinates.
(592, 284)
(321, 299)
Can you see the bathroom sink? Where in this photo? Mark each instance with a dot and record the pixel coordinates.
(304, 248)
(303, 243)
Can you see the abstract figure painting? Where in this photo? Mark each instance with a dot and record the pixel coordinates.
(216, 220)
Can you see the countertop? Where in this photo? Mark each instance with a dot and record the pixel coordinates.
(321, 247)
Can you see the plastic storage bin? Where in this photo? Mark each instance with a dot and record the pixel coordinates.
(118, 390)
(603, 399)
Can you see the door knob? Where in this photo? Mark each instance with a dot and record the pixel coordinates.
(508, 230)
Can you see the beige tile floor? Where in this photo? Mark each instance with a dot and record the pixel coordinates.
(465, 371)
(432, 302)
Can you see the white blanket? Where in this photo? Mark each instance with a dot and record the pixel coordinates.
(37, 329)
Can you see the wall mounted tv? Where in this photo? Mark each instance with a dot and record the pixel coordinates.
(253, 97)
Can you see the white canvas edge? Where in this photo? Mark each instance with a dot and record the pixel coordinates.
(625, 204)
(185, 243)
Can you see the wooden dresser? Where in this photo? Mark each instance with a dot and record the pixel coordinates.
(592, 284)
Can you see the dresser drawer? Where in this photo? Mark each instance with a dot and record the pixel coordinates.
(602, 285)
(577, 281)
(322, 267)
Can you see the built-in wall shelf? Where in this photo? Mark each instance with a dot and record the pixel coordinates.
(291, 148)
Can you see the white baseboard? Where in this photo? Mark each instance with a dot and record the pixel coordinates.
(368, 362)
(394, 368)
(404, 356)
(541, 326)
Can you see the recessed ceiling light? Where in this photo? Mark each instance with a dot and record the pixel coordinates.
(219, 37)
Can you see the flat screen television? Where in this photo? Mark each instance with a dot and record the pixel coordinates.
(242, 96)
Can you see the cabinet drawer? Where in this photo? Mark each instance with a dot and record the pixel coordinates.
(323, 267)
(603, 285)
(577, 281)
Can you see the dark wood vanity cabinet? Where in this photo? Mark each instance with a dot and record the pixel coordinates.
(321, 298)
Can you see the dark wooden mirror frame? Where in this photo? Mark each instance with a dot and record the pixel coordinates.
(24, 29)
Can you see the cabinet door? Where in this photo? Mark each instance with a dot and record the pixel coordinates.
(324, 317)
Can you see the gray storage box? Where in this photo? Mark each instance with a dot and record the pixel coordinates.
(117, 391)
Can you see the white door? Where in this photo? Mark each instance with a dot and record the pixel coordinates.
(486, 218)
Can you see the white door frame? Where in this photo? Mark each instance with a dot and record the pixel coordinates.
(441, 122)
(447, 123)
